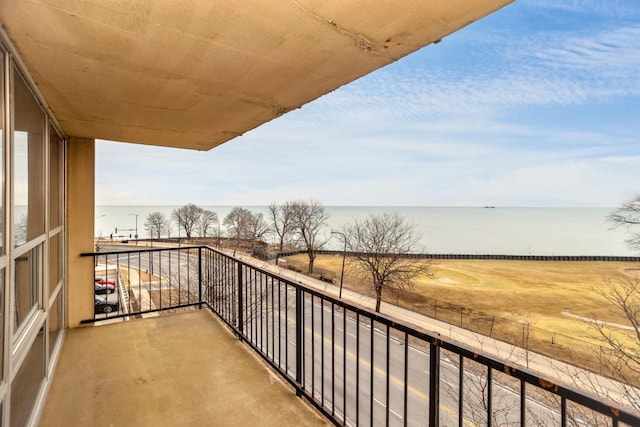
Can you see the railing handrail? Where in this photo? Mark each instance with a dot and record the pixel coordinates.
(129, 251)
(565, 392)
(513, 370)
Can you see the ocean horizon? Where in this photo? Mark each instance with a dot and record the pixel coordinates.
(444, 230)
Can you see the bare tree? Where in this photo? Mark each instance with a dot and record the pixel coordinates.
(237, 222)
(282, 221)
(619, 350)
(379, 245)
(207, 219)
(309, 220)
(187, 217)
(628, 215)
(257, 228)
(156, 223)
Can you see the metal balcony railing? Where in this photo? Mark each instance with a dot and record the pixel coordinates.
(356, 367)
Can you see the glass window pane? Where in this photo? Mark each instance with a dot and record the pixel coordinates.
(55, 322)
(28, 165)
(28, 271)
(56, 262)
(27, 382)
(56, 181)
(2, 180)
(1, 326)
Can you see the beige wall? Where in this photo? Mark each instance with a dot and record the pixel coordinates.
(80, 215)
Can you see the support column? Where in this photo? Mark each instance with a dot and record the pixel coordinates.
(80, 217)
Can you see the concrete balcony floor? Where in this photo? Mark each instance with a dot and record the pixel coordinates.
(181, 369)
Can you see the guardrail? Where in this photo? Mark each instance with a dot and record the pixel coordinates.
(362, 368)
(153, 280)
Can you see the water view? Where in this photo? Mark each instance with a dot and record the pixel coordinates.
(459, 230)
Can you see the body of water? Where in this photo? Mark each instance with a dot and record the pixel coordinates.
(509, 231)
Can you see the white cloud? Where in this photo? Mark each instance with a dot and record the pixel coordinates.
(608, 8)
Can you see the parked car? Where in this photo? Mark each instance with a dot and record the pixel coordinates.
(106, 303)
(106, 288)
(101, 281)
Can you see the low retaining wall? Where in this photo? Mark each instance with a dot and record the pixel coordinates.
(487, 256)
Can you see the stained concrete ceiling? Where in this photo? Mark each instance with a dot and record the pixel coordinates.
(197, 73)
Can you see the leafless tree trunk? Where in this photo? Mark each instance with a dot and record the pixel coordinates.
(156, 223)
(256, 229)
(207, 219)
(237, 222)
(282, 221)
(379, 245)
(187, 217)
(619, 350)
(310, 220)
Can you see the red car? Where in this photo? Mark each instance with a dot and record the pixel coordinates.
(101, 281)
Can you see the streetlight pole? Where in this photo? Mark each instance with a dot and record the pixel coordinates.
(136, 236)
(344, 253)
(218, 221)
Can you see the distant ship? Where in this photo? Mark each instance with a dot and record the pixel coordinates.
(489, 207)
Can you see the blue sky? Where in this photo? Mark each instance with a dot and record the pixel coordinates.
(535, 105)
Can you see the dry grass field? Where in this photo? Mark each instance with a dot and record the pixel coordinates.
(521, 302)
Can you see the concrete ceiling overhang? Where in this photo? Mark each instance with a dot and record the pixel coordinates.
(194, 74)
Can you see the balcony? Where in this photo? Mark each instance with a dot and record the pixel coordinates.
(355, 367)
(180, 369)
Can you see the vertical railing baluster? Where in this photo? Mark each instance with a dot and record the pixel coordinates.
(240, 306)
(179, 275)
(406, 376)
(460, 393)
(523, 402)
(313, 350)
(262, 312)
(273, 321)
(286, 327)
(171, 278)
(257, 286)
(160, 277)
(280, 325)
(333, 360)
(189, 297)
(232, 304)
(434, 384)
(563, 411)
(357, 369)
(303, 346)
(344, 365)
(371, 372)
(489, 395)
(200, 277)
(252, 306)
(388, 374)
(322, 367)
(299, 341)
